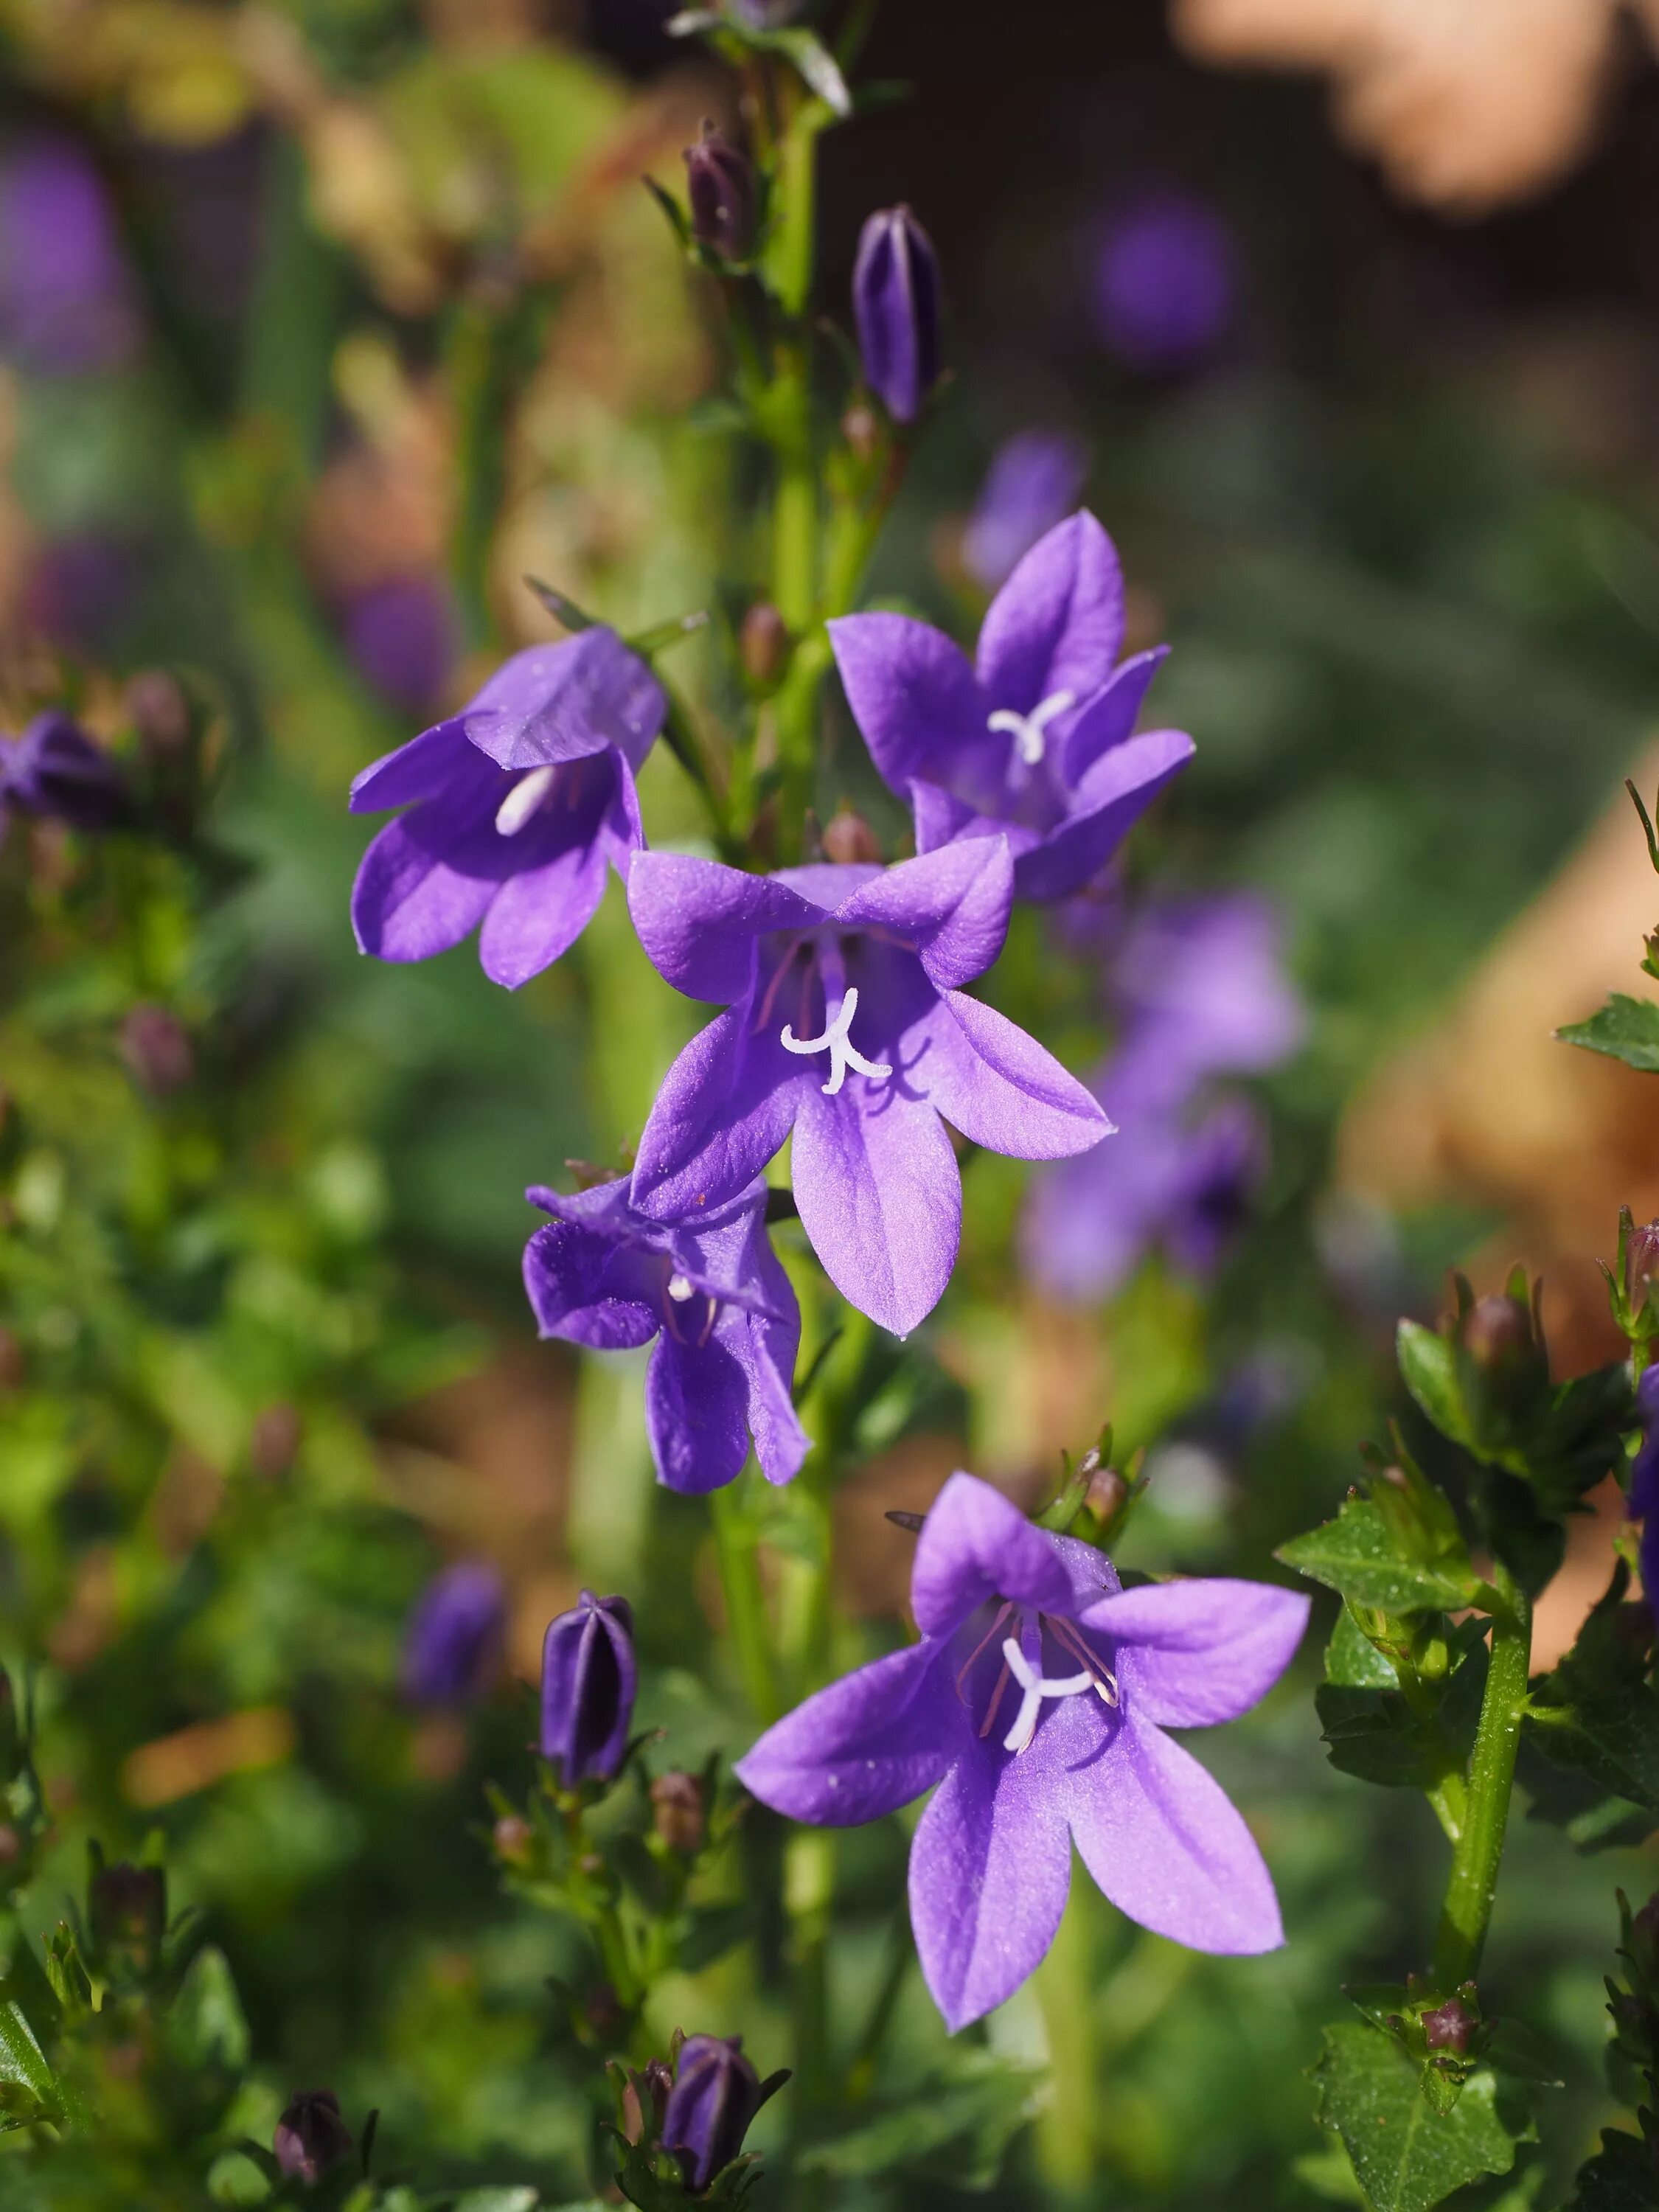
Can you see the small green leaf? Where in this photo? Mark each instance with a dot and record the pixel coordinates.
(1374, 1735)
(1406, 2156)
(1611, 1735)
(1352, 1661)
(28, 2088)
(1625, 1029)
(1360, 1557)
(1428, 1367)
(818, 68)
(206, 2024)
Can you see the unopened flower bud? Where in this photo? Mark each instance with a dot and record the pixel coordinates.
(644, 2102)
(1105, 1494)
(127, 1914)
(896, 305)
(11, 1844)
(1505, 1368)
(763, 643)
(1641, 1263)
(160, 715)
(1450, 2027)
(721, 178)
(605, 2013)
(1644, 1939)
(156, 1049)
(716, 2094)
(861, 428)
(849, 838)
(514, 1839)
(311, 2136)
(455, 1634)
(54, 770)
(588, 1679)
(676, 1811)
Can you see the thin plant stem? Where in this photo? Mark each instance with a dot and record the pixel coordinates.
(1472, 1887)
(745, 1602)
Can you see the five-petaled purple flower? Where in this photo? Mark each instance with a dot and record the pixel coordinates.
(589, 1677)
(54, 770)
(711, 1292)
(1034, 740)
(1038, 1701)
(846, 1022)
(515, 804)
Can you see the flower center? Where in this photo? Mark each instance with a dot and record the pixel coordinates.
(1035, 1686)
(1029, 731)
(523, 800)
(680, 1317)
(835, 1040)
(678, 1289)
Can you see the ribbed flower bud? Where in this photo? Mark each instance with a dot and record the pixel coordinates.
(721, 179)
(1641, 1263)
(311, 2136)
(763, 643)
(588, 1679)
(454, 1638)
(716, 2094)
(678, 1812)
(127, 1914)
(896, 301)
(1505, 1366)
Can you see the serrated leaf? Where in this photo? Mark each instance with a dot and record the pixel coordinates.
(1428, 1368)
(1624, 1029)
(1357, 1556)
(1374, 1735)
(1353, 1661)
(1406, 2156)
(1620, 2177)
(1611, 1735)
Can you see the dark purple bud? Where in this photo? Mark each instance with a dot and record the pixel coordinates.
(1450, 2027)
(160, 715)
(127, 1913)
(644, 2102)
(716, 2093)
(588, 1679)
(1641, 1263)
(311, 2136)
(721, 178)
(896, 301)
(677, 1811)
(1505, 1368)
(763, 643)
(54, 770)
(156, 1049)
(453, 1642)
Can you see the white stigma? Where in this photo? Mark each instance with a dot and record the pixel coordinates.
(1035, 1686)
(521, 802)
(843, 1053)
(679, 1290)
(1029, 731)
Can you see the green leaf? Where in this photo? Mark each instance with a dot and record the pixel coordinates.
(1352, 1661)
(29, 2089)
(972, 2106)
(1374, 1735)
(1625, 1029)
(1406, 2156)
(1611, 1735)
(1428, 1368)
(206, 2025)
(1620, 2177)
(511, 2200)
(818, 68)
(1362, 1558)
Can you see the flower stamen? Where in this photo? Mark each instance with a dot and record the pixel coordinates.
(1037, 1685)
(991, 1633)
(843, 1053)
(523, 800)
(1029, 731)
(1105, 1682)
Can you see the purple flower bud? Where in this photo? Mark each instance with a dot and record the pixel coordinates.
(763, 643)
(716, 2094)
(156, 1049)
(55, 769)
(678, 1813)
(1450, 2027)
(1641, 1263)
(311, 2136)
(127, 1913)
(588, 1679)
(721, 178)
(896, 301)
(454, 1638)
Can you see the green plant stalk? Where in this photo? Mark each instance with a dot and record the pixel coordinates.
(1472, 1887)
(1066, 2141)
(489, 352)
(745, 1602)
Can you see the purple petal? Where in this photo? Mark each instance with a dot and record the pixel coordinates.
(1000, 1088)
(1200, 1651)
(1108, 718)
(723, 1108)
(881, 1198)
(913, 697)
(1167, 1845)
(561, 702)
(410, 900)
(536, 916)
(940, 817)
(864, 1746)
(989, 1870)
(1091, 1573)
(975, 1545)
(1057, 624)
(1111, 798)
(423, 769)
(696, 1405)
(766, 1344)
(950, 906)
(586, 1288)
(698, 921)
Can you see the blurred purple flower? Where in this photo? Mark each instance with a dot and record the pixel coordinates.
(81, 589)
(1643, 1502)
(1038, 1701)
(1032, 483)
(403, 637)
(454, 1638)
(65, 301)
(1165, 282)
(54, 770)
(896, 303)
(1200, 984)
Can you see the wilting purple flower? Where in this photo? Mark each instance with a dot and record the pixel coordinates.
(715, 2096)
(896, 307)
(453, 1641)
(1037, 1700)
(846, 1022)
(514, 806)
(402, 636)
(311, 2136)
(54, 770)
(720, 185)
(1032, 740)
(65, 301)
(1032, 484)
(589, 1677)
(1642, 1501)
(1165, 282)
(711, 1291)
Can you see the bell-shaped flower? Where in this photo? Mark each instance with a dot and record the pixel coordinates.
(712, 1292)
(589, 1677)
(1035, 1707)
(1035, 738)
(512, 808)
(846, 1022)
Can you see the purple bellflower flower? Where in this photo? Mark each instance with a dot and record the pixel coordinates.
(1165, 282)
(711, 1292)
(1033, 740)
(514, 806)
(715, 2099)
(1032, 484)
(846, 1022)
(896, 306)
(401, 633)
(454, 1638)
(66, 303)
(589, 1677)
(1642, 1502)
(54, 770)
(1202, 988)
(1036, 1702)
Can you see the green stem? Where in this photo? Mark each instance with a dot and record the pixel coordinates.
(745, 1602)
(1472, 1887)
(1065, 1990)
(809, 1890)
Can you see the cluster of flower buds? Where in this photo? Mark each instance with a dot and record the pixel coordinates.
(682, 2123)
